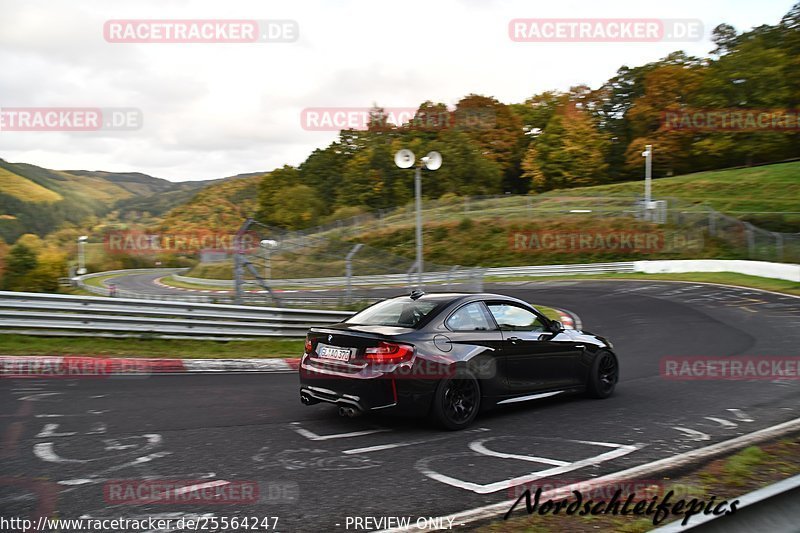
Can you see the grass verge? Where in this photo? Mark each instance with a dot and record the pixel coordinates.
(12, 344)
(726, 478)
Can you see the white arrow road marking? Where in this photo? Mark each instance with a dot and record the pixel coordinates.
(95, 478)
(740, 415)
(693, 434)
(722, 422)
(310, 435)
(46, 452)
(381, 447)
(89, 412)
(38, 396)
(478, 446)
(200, 486)
(97, 429)
(422, 466)
(49, 430)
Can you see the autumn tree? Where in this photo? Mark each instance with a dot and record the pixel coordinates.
(570, 152)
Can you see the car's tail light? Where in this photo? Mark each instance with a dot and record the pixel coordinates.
(309, 346)
(389, 352)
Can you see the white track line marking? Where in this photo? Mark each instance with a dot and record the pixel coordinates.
(477, 488)
(46, 452)
(38, 396)
(479, 447)
(722, 422)
(310, 435)
(49, 430)
(201, 486)
(693, 434)
(381, 447)
(644, 471)
(740, 415)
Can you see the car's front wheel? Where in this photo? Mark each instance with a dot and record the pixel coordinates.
(603, 376)
(456, 401)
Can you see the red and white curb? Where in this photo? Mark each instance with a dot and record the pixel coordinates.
(161, 284)
(569, 320)
(42, 366)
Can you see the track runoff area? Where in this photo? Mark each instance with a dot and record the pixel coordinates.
(233, 451)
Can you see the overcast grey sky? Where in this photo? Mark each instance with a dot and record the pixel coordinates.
(213, 110)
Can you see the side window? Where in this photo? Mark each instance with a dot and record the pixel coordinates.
(512, 317)
(471, 317)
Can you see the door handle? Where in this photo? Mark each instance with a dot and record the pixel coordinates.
(514, 340)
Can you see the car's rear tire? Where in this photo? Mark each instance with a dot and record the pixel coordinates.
(603, 376)
(456, 401)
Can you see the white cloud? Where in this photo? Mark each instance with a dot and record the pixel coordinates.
(213, 110)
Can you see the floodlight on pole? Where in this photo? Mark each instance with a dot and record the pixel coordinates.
(268, 245)
(648, 174)
(433, 161)
(82, 254)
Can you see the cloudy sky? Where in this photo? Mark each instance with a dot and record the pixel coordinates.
(213, 110)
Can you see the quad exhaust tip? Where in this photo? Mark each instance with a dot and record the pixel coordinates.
(349, 412)
(307, 400)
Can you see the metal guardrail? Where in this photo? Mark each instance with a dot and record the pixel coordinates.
(626, 267)
(774, 508)
(445, 277)
(59, 314)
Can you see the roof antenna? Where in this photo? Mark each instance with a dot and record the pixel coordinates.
(416, 294)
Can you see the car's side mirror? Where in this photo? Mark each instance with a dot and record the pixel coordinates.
(556, 326)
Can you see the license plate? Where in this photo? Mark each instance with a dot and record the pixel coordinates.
(330, 352)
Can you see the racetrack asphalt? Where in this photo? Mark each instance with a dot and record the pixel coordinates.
(64, 440)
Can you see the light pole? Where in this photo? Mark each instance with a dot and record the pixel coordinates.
(268, 245)
(648, 173)
(432, 161)
(82, 254)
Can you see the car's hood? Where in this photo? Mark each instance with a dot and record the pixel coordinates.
(586, 336)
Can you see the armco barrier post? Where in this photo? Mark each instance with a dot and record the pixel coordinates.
(348, 271)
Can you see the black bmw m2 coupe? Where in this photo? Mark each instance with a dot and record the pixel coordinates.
(450, 356)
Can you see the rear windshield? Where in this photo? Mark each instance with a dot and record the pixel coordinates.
(400, 313)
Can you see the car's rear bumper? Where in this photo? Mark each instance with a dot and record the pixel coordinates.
(366, 393)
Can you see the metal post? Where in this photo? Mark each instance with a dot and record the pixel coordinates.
(712, 222)
(418, 201)
(238, 261)
(778, 246)
(237, 269)
(648, 174)
(82, 254)
(348, 270)
(450, 274)
(751, 239)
